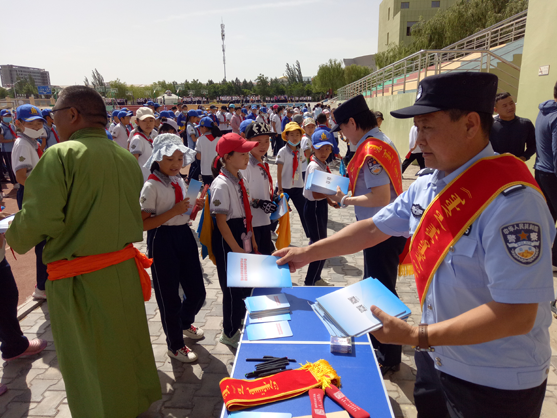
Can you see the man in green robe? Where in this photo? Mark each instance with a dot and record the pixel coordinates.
(83, 199)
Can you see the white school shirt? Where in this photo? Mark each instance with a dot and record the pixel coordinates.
(158, 197)
(259, 190)
(24, 153)
(140, 146)
(261, 119)
(314, 165)
(208, 151)
(276, 118)
(305, 145)
(413, 136)
(226, 195)
(285, 156)
(223, 123)
(120, 135)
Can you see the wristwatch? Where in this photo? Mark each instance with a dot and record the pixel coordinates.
(423, 342)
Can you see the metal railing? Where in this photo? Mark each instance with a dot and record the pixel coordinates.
(428, 62)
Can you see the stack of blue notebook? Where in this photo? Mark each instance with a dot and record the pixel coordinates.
(345, 312)
(256, 270)
(268, 306)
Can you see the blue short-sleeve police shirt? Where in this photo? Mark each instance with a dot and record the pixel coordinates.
(505, 256)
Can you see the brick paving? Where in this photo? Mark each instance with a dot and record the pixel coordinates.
(36, 388)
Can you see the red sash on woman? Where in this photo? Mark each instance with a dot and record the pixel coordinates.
(384, 154)
(458, 205)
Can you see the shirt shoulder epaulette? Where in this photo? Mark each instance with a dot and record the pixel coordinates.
(513, 189)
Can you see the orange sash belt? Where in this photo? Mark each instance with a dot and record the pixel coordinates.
(63, 269)
(240, 394)
(458, 205)
(384, 154)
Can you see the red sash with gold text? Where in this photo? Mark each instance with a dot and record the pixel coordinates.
(384, 154)
(458, 205)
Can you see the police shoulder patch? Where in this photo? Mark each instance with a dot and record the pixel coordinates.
(374, 167)
(523, 242)
(417, 210)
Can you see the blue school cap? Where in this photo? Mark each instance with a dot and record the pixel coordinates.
(149, 103)
(124, 114)
(254, 107)
(115, 113)
(207, 122)
(199, 113)
(244, 110)
(5, 112)
(322, 137)
(156, 105)
(263, 110)
(192, 113)
(46, 112)
(232, 106)
(245, 124)
(29, 113)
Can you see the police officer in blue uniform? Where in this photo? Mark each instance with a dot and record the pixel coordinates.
(486, 313)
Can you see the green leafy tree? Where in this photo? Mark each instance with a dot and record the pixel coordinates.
(3, 93)
(294, 73)
(121, 87)
(197, 86)
(330, 76)
(355, 72)
(262, 87)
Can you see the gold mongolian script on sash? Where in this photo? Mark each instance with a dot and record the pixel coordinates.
(271, 385)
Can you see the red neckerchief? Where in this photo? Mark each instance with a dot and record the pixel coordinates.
(11, 130)
(178, 195)
(39, 150)
(144, 137)
(127, 130)
(245, 201)
(210, 137)
(215, 118)
(266, 168)
(294, 164)
(56, 134)
(328, 169)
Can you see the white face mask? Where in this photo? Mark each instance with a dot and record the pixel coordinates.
(31, 133)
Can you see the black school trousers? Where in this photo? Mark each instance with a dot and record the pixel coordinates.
(263, 239)
(233, 307)
(296, 195)
(417, 156)
(381, 263)
(440, 395)
(315, 215)
(548, 185)
(12, 340)
(176, 263)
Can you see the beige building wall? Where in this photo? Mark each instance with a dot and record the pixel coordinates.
(393, 19)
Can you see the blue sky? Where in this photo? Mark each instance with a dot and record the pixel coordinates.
(142, 41)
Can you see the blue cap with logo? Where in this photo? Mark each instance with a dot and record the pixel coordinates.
(199, 113)
(322, 137)
(46, 112)
(115, 113)
(263, 110)
(244, 110)
(156, 105)
(5, 112)
(149, 103)
(192, 113)
(245, 124)
(124, 114)
(207, 122)
(29, 113)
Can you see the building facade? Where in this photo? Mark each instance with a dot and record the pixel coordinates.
(9, 74)
(396, 18)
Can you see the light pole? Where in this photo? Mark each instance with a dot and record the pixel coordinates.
(223, 48)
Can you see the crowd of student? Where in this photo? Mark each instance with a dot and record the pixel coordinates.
(228, 149)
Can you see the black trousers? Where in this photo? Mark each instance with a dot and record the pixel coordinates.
(263, 239)
(7, 158)
(278, 143)
(548, 184)
(381, 263)
(296, 195)
(207, 179)
(440, 395)
(417, 156)
(12, 340)
(233, 307)
(315, 215)
(176, 263)
(195, 170)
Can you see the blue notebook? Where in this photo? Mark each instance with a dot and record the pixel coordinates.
(256, 270)
(194, 189)
(259, 304)
(345, 312)
(268, 330)
(326, 183)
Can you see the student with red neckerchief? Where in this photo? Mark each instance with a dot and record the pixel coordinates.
(172, 245)
(230, 204)
(141, 144)
(206, 147)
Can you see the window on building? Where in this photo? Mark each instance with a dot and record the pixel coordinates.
(389, 14)
(405, 5)
(435, 4)
(387, 38)
(409, 28)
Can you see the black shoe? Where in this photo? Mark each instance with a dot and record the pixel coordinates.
(387, 369)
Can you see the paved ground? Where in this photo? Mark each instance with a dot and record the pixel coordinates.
(36, 388)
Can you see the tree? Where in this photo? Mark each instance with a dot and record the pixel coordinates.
(97, 80)
(330, 76)
(355, 72)
(121, 87)
(294, 73)
(262, 86)
(3, 93)
(451, 25)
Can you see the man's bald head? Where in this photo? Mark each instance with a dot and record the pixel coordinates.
(87, 101)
